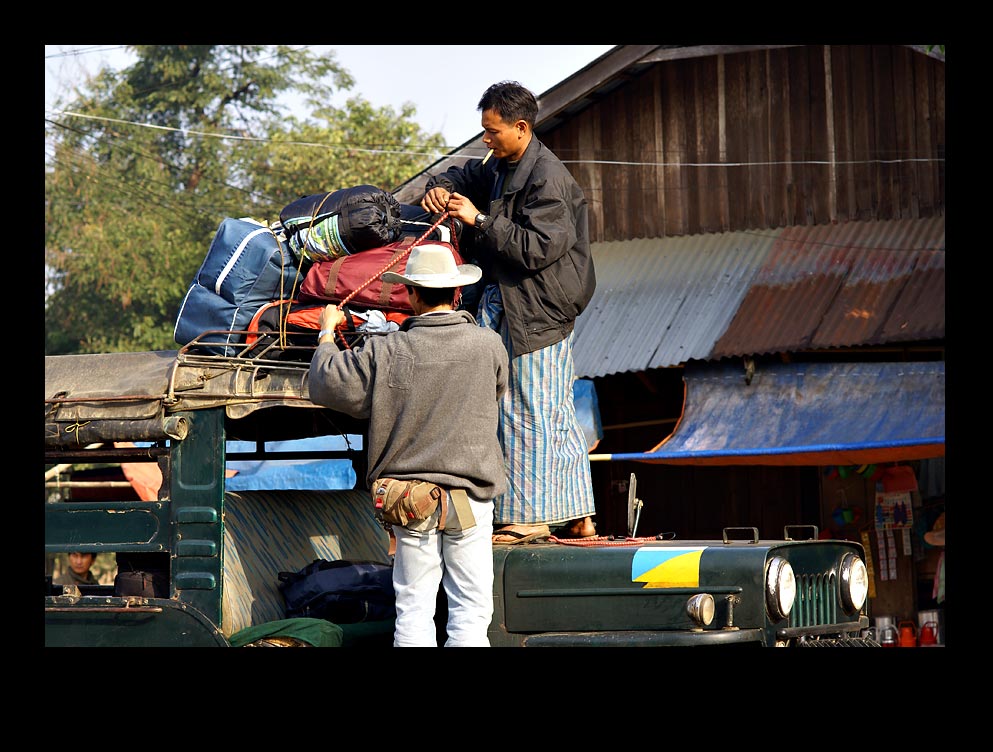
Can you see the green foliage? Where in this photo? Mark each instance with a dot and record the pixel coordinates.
(358, 145)
(154, 157)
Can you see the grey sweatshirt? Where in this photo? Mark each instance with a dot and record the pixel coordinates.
(431, 392)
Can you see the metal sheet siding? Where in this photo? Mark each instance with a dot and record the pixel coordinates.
(846, 285)
(662, 302)
(919, 310)
(665, 301)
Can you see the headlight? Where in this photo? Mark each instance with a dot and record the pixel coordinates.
(854, 583)
(700, 609)
(780, 588)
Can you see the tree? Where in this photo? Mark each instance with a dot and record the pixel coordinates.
(156, 155)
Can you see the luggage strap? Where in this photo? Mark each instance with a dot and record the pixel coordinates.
(402, 252)
(385, 291)
(461, 508)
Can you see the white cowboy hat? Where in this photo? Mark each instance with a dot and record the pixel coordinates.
(433, 265)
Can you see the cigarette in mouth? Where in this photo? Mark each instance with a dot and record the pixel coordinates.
(488, 155)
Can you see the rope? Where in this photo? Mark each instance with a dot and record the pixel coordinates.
(281, 319)
(293, 290)
(281, 331)
(393, 263)
(603, 540)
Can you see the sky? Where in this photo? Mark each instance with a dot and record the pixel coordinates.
(388, 75)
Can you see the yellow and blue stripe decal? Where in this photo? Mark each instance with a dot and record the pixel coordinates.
(667, 567)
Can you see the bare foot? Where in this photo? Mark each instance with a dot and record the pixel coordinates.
(581, 528)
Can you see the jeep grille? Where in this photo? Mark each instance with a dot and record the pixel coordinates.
(816, 600)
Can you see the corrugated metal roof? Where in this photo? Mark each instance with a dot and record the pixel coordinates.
(665, 301)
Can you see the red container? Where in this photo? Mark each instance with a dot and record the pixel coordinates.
(908, 634)
(929, 634)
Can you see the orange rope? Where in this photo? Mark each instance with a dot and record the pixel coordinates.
(393, 263)
(602, 540)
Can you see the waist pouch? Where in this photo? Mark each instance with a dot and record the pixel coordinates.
(409, 502)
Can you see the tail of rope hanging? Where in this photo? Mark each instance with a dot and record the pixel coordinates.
(400, 257)
(283, 317)
(293, 293)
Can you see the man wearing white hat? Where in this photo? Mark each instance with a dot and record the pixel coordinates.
(431, 392)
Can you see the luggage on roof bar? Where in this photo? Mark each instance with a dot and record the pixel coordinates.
(247, 265)
(357, 278)
(330, 225)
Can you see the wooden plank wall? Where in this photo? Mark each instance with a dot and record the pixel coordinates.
(809, 135)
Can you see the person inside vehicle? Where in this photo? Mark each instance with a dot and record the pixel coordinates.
(79, 572)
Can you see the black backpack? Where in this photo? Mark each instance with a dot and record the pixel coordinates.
(342, 592)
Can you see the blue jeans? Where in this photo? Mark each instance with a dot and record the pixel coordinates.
(461, 562)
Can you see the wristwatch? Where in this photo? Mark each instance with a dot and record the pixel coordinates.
(482, 220)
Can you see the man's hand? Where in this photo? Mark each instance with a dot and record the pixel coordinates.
(439, 200)
(332, 317)
(435, 200)
(462, 208)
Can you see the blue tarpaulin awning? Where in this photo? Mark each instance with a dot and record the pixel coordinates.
(805, 414)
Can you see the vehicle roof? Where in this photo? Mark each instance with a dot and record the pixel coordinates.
(143, 395)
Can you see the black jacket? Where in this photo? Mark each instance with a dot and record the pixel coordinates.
(537, 245)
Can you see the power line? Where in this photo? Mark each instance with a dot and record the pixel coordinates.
(127, 148)
(86, 51)
(439, 155)
(232, 137)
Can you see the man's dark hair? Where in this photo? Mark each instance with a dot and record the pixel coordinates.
(511, 101)
(435, 296)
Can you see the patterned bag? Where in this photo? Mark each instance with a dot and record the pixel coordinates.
(327, 226)
(400, 502)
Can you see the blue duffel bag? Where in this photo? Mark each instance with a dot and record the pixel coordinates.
(247, 265)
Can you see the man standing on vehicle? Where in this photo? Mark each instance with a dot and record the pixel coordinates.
(431, 392)
(532, 242)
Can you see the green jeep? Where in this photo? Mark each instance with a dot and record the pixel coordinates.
(216, 554)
